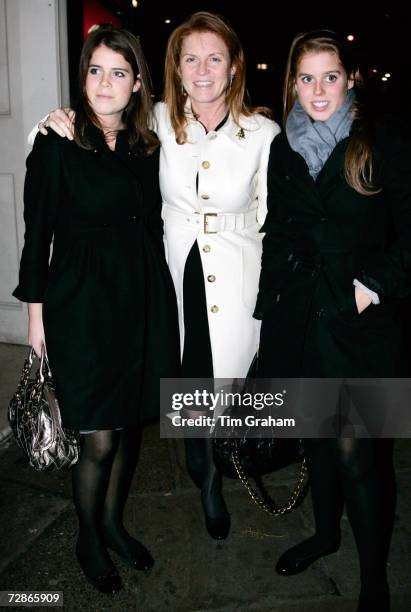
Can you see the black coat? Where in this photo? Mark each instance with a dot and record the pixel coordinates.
(320, 235)
(109, 306)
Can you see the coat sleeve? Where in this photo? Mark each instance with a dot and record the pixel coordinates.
(389, 272)
(273, 245)
(41, 200)
(271, 130)
(155, 221)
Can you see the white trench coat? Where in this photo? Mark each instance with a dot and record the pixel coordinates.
(231, 165)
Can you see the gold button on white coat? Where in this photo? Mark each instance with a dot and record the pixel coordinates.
(211, 278)
(206, 248)
(214, 308)
(205, 196)
(206, 165)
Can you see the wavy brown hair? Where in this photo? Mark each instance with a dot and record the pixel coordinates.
(358, 163)
(175, 97)
(137, 116)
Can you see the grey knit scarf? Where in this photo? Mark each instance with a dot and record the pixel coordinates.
(315, 140)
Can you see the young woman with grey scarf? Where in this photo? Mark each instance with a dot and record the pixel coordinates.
(336, 259)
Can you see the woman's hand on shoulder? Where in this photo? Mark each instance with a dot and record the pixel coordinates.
(60, 121)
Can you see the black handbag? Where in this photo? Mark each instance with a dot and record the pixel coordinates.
(244, 457)
(34, 417)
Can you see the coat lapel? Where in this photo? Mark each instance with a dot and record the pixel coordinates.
(295, 171)
(314, 191)
(333, 168)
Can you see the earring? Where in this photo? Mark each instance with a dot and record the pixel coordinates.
(230, 83)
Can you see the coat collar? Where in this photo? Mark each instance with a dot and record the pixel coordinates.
(96, 138)
(237, 134)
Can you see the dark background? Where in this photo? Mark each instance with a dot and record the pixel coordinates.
(381, 37)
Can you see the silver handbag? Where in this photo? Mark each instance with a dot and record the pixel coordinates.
(34, 417)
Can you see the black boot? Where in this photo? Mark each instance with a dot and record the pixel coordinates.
(326, 495)
(203, 472)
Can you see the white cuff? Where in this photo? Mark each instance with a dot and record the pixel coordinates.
(374, 296)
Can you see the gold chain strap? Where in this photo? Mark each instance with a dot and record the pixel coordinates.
(270, 506)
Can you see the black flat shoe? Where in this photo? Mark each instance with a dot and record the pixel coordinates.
(142, 561)
(218, 528)
(109, 582)
(288, 565)
(133, 553)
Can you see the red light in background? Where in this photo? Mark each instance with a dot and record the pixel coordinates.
(95, 14)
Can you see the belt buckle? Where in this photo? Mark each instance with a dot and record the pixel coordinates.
(206, 231)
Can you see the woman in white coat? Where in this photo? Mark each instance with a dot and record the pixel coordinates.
(213, 165)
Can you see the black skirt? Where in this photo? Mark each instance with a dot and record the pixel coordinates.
(197, 355)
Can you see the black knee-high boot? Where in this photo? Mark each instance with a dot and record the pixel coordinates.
(132, 552)
(203, 471)
(90, 477)
(327, 501)
(362, 493)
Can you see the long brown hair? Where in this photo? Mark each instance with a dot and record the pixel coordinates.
(175, 97)
(137, 116)
(358, 163)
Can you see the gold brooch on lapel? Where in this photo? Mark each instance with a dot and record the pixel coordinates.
(240, 134)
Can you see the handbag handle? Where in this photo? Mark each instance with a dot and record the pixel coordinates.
(268, 504)
(43, 372)
(25, 371)
(44, 363)
(28, 363)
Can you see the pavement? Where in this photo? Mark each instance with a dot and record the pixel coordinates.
(192, 573)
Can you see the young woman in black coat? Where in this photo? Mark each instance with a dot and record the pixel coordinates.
(105, 305)
(336, 258)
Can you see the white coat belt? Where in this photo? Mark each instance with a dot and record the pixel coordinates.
(212, 223)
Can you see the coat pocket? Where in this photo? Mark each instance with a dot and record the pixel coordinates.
(351, 304)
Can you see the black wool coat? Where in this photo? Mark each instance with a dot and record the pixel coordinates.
(109, 307)
(320, 236)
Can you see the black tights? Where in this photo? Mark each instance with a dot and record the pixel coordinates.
(355, 472)
(101, 484)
